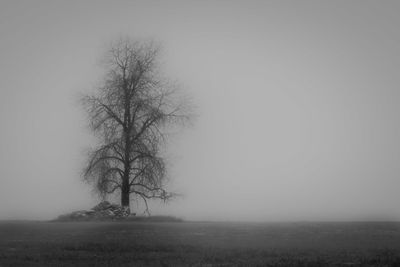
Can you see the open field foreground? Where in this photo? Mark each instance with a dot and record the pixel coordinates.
(199, 244)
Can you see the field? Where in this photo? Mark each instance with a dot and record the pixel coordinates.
(198, 244)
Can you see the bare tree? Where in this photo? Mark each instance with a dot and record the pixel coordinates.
(129, 113)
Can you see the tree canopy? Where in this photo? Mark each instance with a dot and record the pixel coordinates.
(130, 113)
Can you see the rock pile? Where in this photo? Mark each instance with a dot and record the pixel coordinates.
(105, 208)
(103, 211)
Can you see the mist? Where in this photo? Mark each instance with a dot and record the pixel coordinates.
(297, 106)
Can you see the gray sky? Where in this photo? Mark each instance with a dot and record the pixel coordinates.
(298, 105)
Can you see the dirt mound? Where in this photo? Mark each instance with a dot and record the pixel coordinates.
(103, 211)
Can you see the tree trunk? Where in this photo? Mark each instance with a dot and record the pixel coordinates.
(124, 198)
(125, 202)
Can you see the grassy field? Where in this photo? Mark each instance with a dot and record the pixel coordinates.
(198, 244)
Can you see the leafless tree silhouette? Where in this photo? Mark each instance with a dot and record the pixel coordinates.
(129, 113)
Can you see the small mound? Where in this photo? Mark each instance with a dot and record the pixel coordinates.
(106, 211)
(157, 218)
(103, 211)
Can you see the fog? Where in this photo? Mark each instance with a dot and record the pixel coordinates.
(297, 105)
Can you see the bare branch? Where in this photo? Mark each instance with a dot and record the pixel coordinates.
(130, 113)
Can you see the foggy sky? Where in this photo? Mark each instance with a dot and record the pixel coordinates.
(298, 105)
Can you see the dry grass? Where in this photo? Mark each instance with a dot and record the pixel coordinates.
(199, 244)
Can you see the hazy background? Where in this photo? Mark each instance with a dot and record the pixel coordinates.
(298, 105)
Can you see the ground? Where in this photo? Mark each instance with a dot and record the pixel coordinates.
(198, 244)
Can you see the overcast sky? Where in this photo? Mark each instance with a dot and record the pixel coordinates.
(298, 105)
